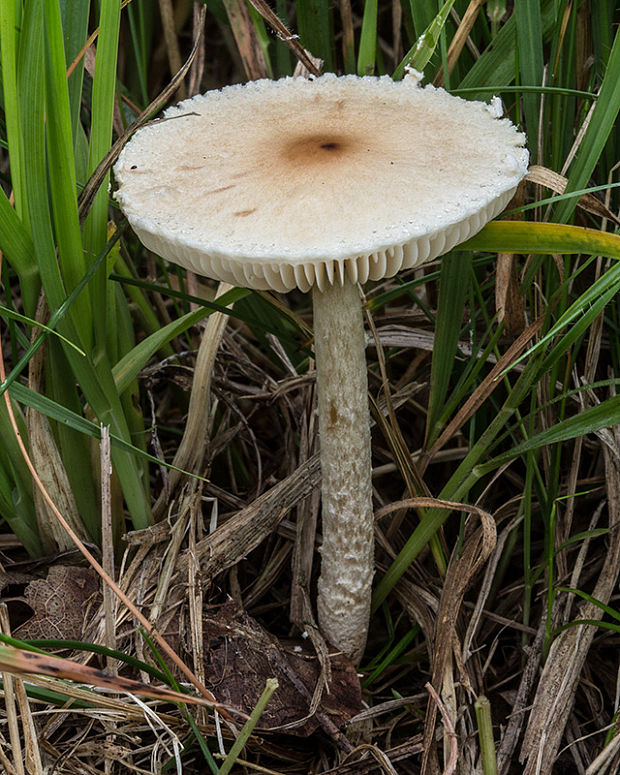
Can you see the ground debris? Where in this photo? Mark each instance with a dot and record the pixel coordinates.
(241, 655)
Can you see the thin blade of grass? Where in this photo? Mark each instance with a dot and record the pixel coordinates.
(60, 413)
(102, 110)
(542, 238)
(315, 27)
(420, 53)
(602, 122)
(453, 288)
(8, 313)
(270, 686)
(531, 62)
(62, 183)
(368, 39)
(595, 418)
(10, 25)
(130, 365)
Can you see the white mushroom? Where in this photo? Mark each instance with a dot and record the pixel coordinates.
(322, 184)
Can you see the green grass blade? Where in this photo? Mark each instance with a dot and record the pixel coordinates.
(8, 313)
(453, 286)
(61, 414)
(602, 122)
(102, 109)
(10, 24)
(604, 415)
(17, 247)
(497, 65)
(62, 183)
(128, 368)
(531, 63)
(542, 238)
(315, 28)
(598, 603)
(31, 82)
(420, 53)
(75, 31)
(270, 686)
(368, 40)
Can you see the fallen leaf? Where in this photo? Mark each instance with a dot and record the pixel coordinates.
(242, 655)
(59, 603)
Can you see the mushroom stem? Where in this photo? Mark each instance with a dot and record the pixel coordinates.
(347, 563)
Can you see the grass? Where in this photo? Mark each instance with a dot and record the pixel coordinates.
(494, 376)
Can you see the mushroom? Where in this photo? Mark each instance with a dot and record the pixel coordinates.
(320, 185)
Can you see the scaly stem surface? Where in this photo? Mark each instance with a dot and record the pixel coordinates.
(347, 563)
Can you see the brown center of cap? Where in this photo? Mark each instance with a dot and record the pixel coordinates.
(318, 148)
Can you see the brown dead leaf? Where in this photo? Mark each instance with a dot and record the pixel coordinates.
(241, 655)
(60, 603)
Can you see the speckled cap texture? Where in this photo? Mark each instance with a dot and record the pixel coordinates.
(297, 182)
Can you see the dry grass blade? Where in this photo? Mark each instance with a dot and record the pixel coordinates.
(170, 36)
(450, 732)
(96, 179)
(560, 678)
(249, 527)
(107, 544)
(370, 765)
(508, 299)
(8, 684)
(486, 387)
(248, 45)
(307, 516)
(291, 40)
(22, 662)
(462, 569)
(460, 38)
(48, 461)
(518, 716)
(190, 452)
(556, 182)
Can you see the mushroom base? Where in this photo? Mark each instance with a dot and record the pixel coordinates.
(347, 564)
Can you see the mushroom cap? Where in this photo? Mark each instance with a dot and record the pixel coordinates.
(297, 182)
